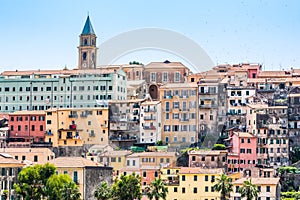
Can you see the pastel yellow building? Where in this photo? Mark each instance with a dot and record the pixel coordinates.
(179, 117)
(77, 126)
(269, 188)
(114, 159)
(187, 183)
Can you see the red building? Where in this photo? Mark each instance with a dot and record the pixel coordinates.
(241, 151)
(26, 127)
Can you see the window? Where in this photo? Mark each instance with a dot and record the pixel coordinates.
(23, 157)
(152, 77)
(183, 190)
(206, 177)
(144, 174)
(195, 190)
(183, 178)
(75, 177)
(177, 76)
(206, 188)
(35, 159)
(195, 177)
(212, 189)
(268, 189)
(165, 76)
(237, 189)
(175, 189)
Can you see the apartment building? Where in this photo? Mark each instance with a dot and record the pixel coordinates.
(187, 183)
(179, 118)
(150, 122)
(77, 126)
(269, 188)
(27, 128)
(10, 169)
(30, 155)
(124, 122)
(269, 124)
(148, 164)
(241, 151)
(294, 116)
(208, 158)
(160, 73)
(212, 107)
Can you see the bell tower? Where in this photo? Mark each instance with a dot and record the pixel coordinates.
(87, 50)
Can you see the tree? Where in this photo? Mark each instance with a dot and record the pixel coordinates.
(224, 185)
(102, 192)
(70, 191)
(61, 187)
(127, 187)
(32, 181)
(157, 189)
(249, 190)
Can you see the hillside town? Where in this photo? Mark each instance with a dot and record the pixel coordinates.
(158, 121)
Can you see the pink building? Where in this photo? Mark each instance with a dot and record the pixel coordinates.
(241, 151)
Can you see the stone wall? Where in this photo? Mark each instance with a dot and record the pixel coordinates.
(93, 177)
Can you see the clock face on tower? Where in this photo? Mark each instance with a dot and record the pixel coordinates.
(84, 65)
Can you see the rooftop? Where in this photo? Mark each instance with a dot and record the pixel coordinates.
(88, 28)
(196, 170)
(259, 181)
(77, 162)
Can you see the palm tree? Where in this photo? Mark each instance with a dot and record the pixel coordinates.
(249, 190)
(157, 189)
(70, 191)
(224, 185)
(102, 192)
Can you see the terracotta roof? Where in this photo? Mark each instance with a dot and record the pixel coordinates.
(25, 150)
(259, 181)
(28, 112)
(151, 103)
(154, 154)
(163, 65)
(8, 159)
(197, 170)
(273, 74)
(258, 106)
(179, 85)
(74, 162)
(115, 153)
(207, 152)
(243, 134)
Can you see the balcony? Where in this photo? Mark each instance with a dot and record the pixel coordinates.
(136, 105)
(172, 182)
(49, 133)
(149, 128)
(83, 115)
(208, 106)
(146, 118)
(73, 127)
(184, 96)
(168, 97)
(150, 110)
(183, 119)
(73, 116)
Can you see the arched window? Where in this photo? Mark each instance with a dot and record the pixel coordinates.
(85, 42)
(84, 56)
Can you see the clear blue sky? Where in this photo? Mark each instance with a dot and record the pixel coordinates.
(44, 34)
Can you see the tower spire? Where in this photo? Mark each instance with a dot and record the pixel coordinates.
(88, 28)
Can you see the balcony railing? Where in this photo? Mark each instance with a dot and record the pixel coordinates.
(149, 128)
